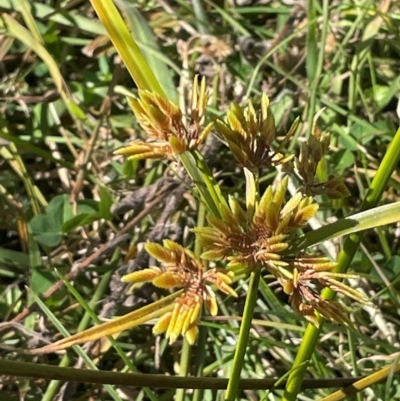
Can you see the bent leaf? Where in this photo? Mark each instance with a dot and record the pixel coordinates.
(372, 218)
(132, 319)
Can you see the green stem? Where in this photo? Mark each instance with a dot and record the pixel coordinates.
(374, 194)
(51, 372)
(183, 369)
(233, 383)
(200, 360)
(202, 22)
(315, 63)
(202, 177)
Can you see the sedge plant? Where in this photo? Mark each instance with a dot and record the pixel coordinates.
(267, 234)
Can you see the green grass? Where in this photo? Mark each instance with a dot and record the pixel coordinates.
(70, 206)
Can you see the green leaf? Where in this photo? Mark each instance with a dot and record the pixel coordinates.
(372, 218)
(346, 139)
(392, 267)
(105, 203)
(46, 228)
(342, 160)
(89, 211)
(11, 258)
(42, 279)
(147, 43)
(129, 168)
(80, 220)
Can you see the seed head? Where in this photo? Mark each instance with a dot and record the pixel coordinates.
(249, 135)
(311, 154)
(181, 269)
(245, 240)
(169, 133)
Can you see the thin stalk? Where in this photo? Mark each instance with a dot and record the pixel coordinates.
(217, 364)
(183, 368)
(251, 299)
(201, 342)
(49, 372)
(202, 177)
(202, 23)
(353, 355)
(200, 361)
(374, 194)
(315, 62)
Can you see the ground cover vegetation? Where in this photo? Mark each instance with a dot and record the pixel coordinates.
(199, 200)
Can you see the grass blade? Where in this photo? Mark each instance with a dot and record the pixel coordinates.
(373, 218)
(126, 46)
(145, 39)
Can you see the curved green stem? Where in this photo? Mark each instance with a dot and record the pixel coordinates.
(202, 177)
(374, 193)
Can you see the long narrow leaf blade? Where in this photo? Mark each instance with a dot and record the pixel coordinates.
(135, 318)
(144, 38)
(126, 46)
(372, 218)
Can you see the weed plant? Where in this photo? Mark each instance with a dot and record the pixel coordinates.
(185, 189)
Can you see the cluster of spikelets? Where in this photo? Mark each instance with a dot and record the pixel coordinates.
(311, 153)
(244, 240)
(181, 269)
(261, 239)
(169, 130)
(250, 135)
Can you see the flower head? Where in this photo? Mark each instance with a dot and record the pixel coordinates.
(169, 131)
(181, 269)
(260, 237)
(307, 276)
(311, 153)
(249, 136)
(246, 241)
